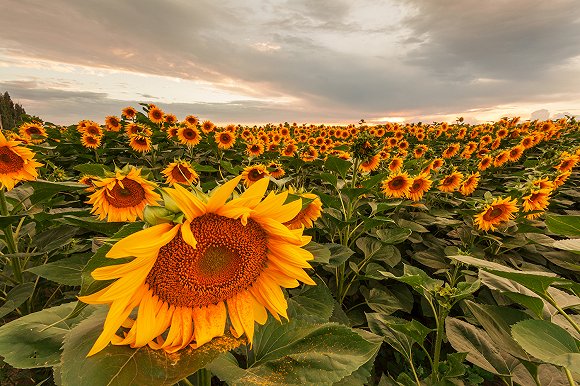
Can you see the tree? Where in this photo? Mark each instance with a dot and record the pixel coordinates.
(10, 112)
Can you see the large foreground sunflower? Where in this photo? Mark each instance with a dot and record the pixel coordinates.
(499, 211)
(123, 197)
(227, 260)
(16, 163)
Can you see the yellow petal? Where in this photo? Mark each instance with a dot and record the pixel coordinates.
(146, 320)
(119, 270)
(244, 306)
(278, 230)
(144, 243)
(209, 322)
(187, 234)
(191, 206)
(221, 194)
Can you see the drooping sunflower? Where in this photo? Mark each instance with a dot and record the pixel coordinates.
(536, 200)
(189, 135)
(170, 119)
(561, 178)
(254, 173)
(515, 153)
(437, 163)
(419, 186)
(308, 214)
(113, 123)
(90, 141)
(129, 112)
(156, 115)
(397, 185)
(451, 182)
(543, 183)
(469, 185)
(499, 211)
(309, 155)
(370, 164)
(227, 260)
(276, 169)
(123, 197)
(180, 172)
(33, 132)
(17, 163)
(225, 139)
(140, 143)
(567, 163)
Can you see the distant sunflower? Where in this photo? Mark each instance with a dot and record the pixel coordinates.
(451, 182)
(499, 211)
(156, 115)
(370, 164)
(544, 183)
(567, 163)
(180, 172)
(515, 153)
(289, 150)
(93, 129)
(254, 173)
(90, 141)
(276, 169)
(17, 163)
(255, 149)
(225, 139)
(129, 112)
(485, 162)
(140, 143)
(396, 164)
(170, 119)
(469, 185)
(437, 163)
(191, 120)
(309, 155)
(189, 135)
(451, 150)
(501, 158)
(33, 132)
(308, 214)
(419, 186)
(113, 123)
(227, 259)
(397, 185)
(123, 197)
(172, 132)
(536, 200)
(207, 127)
(561, 178)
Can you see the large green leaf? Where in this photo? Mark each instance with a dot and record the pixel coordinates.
(398, 333)
(16, 297)
(416, 278)
(563, 225)
(91, 223)
(549, 343)
(338, 165)
(299, 353)
(394, 235)
(568, 245)
(98, 170)
(125, 366)
(312, 303)
(35, 340)
(65, 271)
(44, 190)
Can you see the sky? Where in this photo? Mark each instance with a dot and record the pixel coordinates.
(315, 61)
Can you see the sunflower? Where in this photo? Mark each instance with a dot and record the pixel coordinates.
(180, 172)
(172, 132)
(485, 162)
(17, 163)
(276, 169)
(308, 214)
(561, 178)
(254, 173)
(207, 127)
(113, 123)
(499, 211)
(156, 115)
(437, 163)
(123, 197)
(543, 183)
(370, 164)
(225, 139)
(255, 149)
(289, 150)
(227, 259)
(515, 153)
(501, 158)
(170, 119)
(140, 143)
(189, 135)
(419, 186)
(397, 185)
(90, 141)
(191, 120)
(396, 164)
(451, 182)
(567, 163)
(309, 155)
(536, 200)
(33, 132)
(469, 184)
(129, 112)
(93, 129)
(451, 150)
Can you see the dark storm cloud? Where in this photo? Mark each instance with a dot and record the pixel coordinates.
(274, 48)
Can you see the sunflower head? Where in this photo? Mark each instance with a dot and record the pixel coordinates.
(254, 173)
(498, 212)
(129, 112)
(276, 170)
(33, 132)
(156, 115)
(222, 266)
(370, 164)
(225, 139)
(450, 182)
(180, 172)
(17, 163)
(140, 143)
(419, 186)
(310, 212)
(189, 135)
(122, 197)
(397, 185)
(90, 141)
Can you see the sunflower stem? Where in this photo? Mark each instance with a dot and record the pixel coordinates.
(9, 239)
(202, 377)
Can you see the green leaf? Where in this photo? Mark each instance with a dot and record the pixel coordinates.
(398, 333)
(568, 245)
(312, 303)
(320, 252)
(416, 278)
(16, 297)
(563, 225)
(338, 165)
(387, 302)
(35, 340)
(9, 220)
(123, 365)
(394, 235)
(65, 271)
(548, 342)
(298, 353)
(44, 190)
(54, 238)
(338, 254)
(91, 223)
(97, 170)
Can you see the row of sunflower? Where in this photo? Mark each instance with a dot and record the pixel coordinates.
(186, 238)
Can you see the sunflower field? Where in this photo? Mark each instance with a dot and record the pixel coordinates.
(155, 251)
